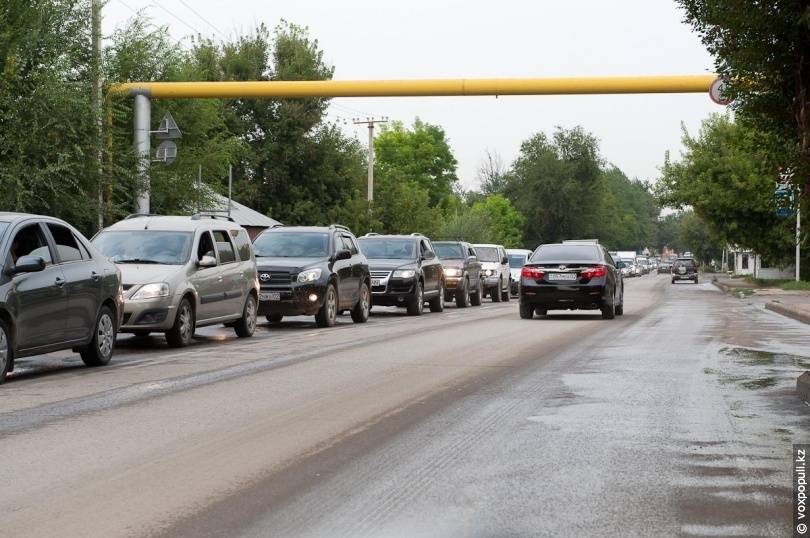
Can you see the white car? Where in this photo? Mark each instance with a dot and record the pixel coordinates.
(517, 259)
(494, 271)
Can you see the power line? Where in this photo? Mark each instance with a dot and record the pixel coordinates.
(217, 30)
(178, 18)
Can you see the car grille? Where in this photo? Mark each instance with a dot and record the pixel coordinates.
(382, 276)
(276, 278)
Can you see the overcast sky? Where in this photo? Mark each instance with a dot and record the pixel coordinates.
(509, 38)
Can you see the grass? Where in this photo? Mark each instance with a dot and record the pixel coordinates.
(793, 285)
(766, 283)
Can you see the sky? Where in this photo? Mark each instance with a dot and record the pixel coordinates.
(470, 39)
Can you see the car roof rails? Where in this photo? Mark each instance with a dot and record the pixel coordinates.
(371, 234)
(339, 227)
(138, 215)
(211, 215)
(417, 234)
(582, 241)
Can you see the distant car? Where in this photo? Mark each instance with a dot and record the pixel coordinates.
(404, 271)
(312, 271)
(684, 269)
(517, 259)
(571, 277)
(644, 264)
(627, 268)
(462, 272)
(495, 267)
(183, 272)
(664, 267)
(57, 292)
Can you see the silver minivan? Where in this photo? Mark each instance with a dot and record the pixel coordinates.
(180, 273)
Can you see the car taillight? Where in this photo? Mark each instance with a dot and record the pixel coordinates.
(594, 272)
(531, 272)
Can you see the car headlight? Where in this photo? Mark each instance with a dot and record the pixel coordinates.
(310, 275)
(452, 271)
(404, 273)
(151, 291)
(489, 272)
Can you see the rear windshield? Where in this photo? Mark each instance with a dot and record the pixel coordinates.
(685, 263)
(292, 245)
(516, 261)
(449, 251)
(381, 248)
(487, 254)
(566, 253)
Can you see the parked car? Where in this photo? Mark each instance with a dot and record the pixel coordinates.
(183, 272)
(684, 269)
(56, 292)
(312, 271)
(571, 277)
(404, 272)
(495, 268)
(462, 272)
(517, 259)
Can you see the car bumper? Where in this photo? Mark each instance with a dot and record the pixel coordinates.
(451, 283)
(687, 276)
(293, 301)
(552, 297)
(396, 292)
(491, 281)
(154, 315)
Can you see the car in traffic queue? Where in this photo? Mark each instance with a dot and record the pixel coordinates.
(183, 272)
(643, 264)
(495, 271)
(664, 267)
(684, 269)
(628, 268)
(312, 271)
(571, 276)
(405, 272)
(57, 292)
(517, 259)
(462, 272)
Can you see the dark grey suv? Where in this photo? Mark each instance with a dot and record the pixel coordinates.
(56, 292)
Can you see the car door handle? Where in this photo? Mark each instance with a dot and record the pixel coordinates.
(59, 281)
(219, 278)
(95, 276)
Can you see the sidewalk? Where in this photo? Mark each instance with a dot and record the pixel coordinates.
(793, 304)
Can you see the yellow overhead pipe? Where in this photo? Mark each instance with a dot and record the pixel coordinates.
(414, 88)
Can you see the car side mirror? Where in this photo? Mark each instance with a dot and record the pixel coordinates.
(207, 261)
(504, 260)
(429, 255)
(620, 265)
(343, 254)
(28, 264)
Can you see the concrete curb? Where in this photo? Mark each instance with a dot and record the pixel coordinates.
(787, 311)
(720, 285)
(803, 387)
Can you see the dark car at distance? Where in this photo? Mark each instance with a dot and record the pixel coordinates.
(56, 292)
(314, 271)
(404, 272)
(462, 272)
(684, 269)
(571, 276)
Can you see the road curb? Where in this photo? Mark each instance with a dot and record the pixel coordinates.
(720, 285)
(803, 387)
(786, 311)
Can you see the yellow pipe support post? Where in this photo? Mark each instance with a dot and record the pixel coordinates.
(416, 88)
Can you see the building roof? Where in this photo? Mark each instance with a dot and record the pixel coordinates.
(242, 214)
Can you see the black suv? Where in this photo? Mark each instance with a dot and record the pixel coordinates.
(684, 269)
(571, 276)
(404, 272)
(56, 292)
(313, 271)
(462, 272)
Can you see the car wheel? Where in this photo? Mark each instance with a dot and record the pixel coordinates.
(496, 294)
(526, 311)
(673, 281)
(696, 281)
(609, 311)
(100, 349)
(463, 295)
(362, 308)
(327, 315)
(417, 303)
(476, 299)
(540, 311)
(505, 294)
(437, 303)
(246, 325)
(5, 351)
(182, 331)
(274, 318)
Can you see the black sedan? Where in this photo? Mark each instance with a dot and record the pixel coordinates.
(571, 276)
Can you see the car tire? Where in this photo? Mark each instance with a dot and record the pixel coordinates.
(505, 295)
(246, 325)
(673, 281)
(182, 332)
(417, 303)
(5, 351)
(609, 311)
(495, 292)
(274, 318)
(100, 349)
(478, 297)
(463, 295)
(696, 281)
(437, 303)
(363, 307)
(327, 315)
(526, 311)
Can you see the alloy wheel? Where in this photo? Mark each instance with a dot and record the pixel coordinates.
(186, 323)
(331, 305)
(3, 350)
(250, 314)
(105, 335)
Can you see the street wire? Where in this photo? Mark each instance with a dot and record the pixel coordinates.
(217, 30)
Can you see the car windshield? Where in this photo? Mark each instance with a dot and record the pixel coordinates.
(449, 251)
(3, 226)
(145, 246)
(516, 261)
(382, 248)
(292, 245)
(566, 253)
(487, 254)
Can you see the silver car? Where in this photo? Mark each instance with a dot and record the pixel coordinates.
(180, 273)
(494, 271)
(517, 259)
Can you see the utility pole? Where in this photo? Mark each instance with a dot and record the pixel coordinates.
(371, 122)
(98, 103)
(798, 232)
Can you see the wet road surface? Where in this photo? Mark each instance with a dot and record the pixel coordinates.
(675, 419)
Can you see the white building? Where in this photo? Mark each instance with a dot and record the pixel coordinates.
(748, 263)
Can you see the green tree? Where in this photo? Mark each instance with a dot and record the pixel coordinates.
(695, 236)
(504, 223)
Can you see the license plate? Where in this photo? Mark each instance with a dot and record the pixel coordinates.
(270, 296)
(376, 282)
(562, 276)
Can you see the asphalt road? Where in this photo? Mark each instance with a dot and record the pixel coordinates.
(674, 419)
